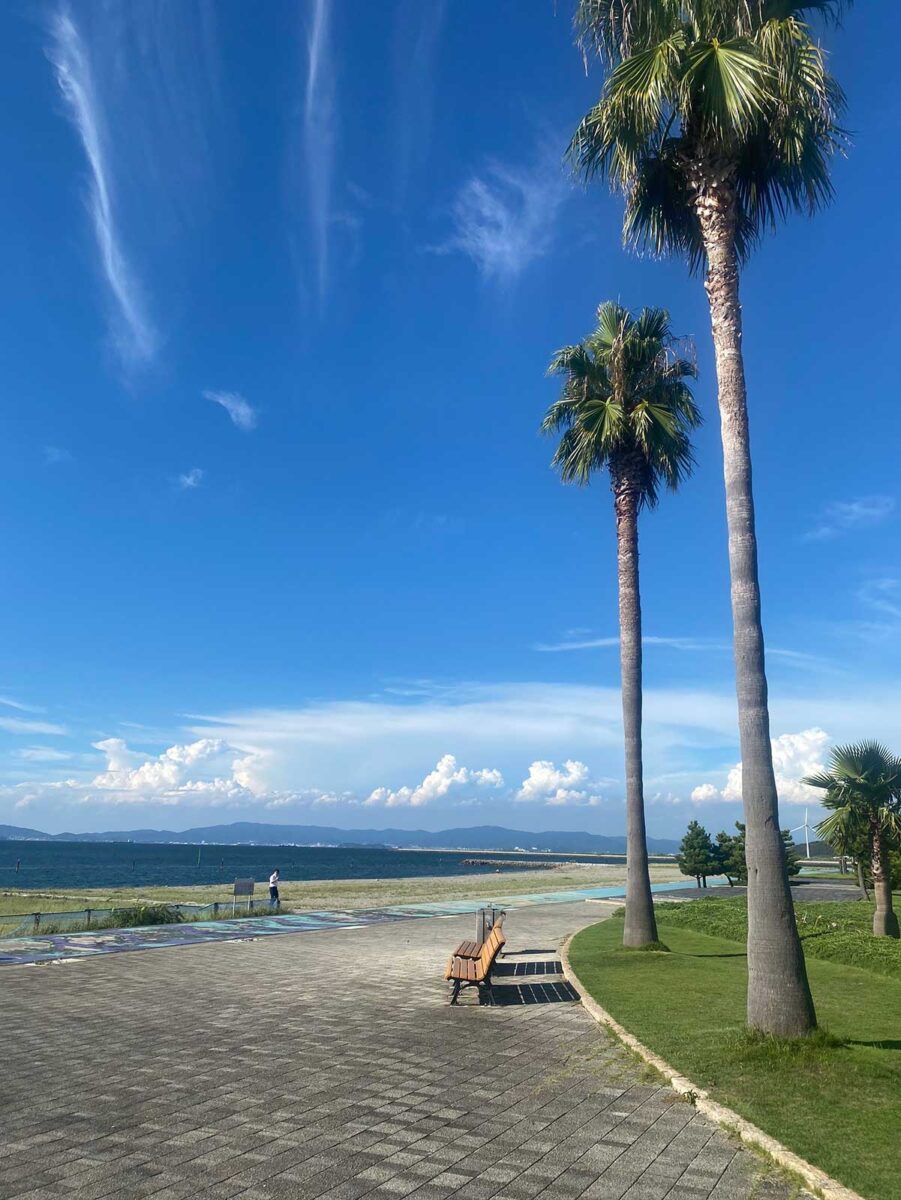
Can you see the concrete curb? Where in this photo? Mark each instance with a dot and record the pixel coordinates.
(812, 1176)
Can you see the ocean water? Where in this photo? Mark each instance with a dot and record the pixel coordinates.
(133, 864)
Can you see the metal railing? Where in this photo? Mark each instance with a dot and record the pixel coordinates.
(85, 919)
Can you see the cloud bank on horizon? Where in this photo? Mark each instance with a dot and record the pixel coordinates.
(475, 747)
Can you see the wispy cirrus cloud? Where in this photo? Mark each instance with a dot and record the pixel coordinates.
(604, 643)
(883, 596)
(846, 516)
(134, 334)
(880, 600)
(416, 39)
(19, 706)
(242, 413)
(505, 216)
(23, 725)
(797, 659)
(42, 754)
(320, 131)
(55, 455)
(192, 479)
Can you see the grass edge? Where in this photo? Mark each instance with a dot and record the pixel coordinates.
(762, 1143)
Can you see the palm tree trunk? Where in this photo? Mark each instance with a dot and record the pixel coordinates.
(641, 926)
(885, 920)
(779, 999)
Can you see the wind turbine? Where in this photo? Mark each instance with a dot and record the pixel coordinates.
(807, 828)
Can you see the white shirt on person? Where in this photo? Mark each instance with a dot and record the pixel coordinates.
(273, 879)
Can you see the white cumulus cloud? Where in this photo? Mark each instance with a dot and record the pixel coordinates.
(569, 784)
(446, 776)
(705, 793)
(794, 756)
(127, 770)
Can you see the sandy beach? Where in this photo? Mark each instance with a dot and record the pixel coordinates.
(300, 896)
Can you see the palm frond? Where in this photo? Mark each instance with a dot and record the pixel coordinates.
(841, 829)
(862, 792)
(739, 88)
(727, 86)
(625, 398)
(614, 28)
(819, 780)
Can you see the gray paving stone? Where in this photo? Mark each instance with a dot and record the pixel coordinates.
(330, 1067)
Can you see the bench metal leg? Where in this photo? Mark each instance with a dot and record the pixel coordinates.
(486, 994)
(455, 991)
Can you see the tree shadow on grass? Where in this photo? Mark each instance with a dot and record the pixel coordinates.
(885, 1044)
(513, 953)
(730, 954)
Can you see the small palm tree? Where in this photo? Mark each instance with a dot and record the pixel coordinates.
(626, 408)
(863, 791)
(718, 117)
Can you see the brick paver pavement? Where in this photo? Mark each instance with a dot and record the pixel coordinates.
(330, 1065)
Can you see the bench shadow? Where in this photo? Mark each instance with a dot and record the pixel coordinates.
(506, 968)
(558, 992)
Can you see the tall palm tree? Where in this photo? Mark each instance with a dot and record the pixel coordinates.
(625, 408)
(718, 117)
(863, 791)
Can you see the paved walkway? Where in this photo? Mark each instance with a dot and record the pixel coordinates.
(330, 1066)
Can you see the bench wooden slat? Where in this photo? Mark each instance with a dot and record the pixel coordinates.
(476, 971)
(468, 950)
(474, 949)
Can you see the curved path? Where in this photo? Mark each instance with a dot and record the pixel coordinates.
(331, 1066)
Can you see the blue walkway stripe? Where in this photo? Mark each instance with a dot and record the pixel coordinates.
(55, 946)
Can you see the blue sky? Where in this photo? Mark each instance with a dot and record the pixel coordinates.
(280, 537)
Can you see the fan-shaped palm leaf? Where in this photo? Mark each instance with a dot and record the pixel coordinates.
(862, 790)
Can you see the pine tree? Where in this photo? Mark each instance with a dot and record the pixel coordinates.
(697, 854)
(792, 857)
(730, 851)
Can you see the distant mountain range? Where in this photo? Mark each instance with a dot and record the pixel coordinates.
(252, 833)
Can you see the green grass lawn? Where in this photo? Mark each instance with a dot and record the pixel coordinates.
(822, 874)
(839, 931)
(838, 1105)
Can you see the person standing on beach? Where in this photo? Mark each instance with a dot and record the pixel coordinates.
(274, 901)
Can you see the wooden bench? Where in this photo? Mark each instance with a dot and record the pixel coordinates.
(476, 972)
(474, 949)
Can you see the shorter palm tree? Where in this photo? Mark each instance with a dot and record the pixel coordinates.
(863, 791)
(626, 408)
